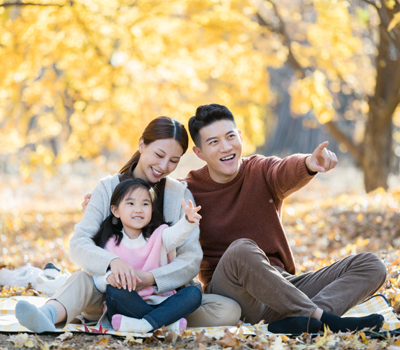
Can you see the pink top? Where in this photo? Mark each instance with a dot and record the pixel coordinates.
(145, 258)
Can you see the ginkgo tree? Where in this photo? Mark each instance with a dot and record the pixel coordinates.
(346, 55)
(79, 78)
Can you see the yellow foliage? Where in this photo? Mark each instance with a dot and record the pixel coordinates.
(390, 3)
(82, 77)
(312, 93)
(394, 22)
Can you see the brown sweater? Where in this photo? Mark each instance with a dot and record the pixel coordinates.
(249, 206)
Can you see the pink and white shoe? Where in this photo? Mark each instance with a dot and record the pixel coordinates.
(178, 326)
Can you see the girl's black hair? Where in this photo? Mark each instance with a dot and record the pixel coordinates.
(112, 226)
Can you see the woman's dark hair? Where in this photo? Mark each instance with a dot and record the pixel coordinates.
(159, 129)
(112, 226)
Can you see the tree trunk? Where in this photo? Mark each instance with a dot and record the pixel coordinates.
(377, 152)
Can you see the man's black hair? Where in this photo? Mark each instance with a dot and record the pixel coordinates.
(206, 115)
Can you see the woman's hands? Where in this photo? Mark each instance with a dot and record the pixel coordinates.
(124, 275)
(85, 202)
(191, 212)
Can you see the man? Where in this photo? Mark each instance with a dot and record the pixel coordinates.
(246, 253)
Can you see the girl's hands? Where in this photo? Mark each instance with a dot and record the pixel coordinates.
(191, 212)
(111, 280)
(146, 279)
(122, 275)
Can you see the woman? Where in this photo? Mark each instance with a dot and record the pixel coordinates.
(161, 146)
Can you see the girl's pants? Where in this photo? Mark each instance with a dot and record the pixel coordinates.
(269, 293)
(130, 304)
(79, 296)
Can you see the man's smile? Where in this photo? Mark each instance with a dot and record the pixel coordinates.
(228, 159)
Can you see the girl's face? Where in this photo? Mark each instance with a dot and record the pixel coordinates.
(135, 211)
(158, 159)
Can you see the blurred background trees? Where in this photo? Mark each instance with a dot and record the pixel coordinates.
(345, 55)
(82, 78)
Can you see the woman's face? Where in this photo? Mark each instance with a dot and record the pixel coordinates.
(158, 159)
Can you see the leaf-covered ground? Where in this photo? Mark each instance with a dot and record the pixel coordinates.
(329, 219)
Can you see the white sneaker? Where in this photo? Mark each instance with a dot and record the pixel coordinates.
(20, 277)
(50, 285)
(5, 276)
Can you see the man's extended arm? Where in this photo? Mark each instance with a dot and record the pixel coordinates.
(285, 176)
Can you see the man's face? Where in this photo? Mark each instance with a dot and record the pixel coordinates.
(221, 148)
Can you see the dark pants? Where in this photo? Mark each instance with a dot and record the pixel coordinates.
(269, 293)
(130, 304)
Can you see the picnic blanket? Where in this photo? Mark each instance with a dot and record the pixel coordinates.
(8, 322)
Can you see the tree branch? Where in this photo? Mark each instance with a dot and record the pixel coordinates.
(385, 17)
(29, 4)
(281, 30)
(391, 105)
(372, 3)
(99, 52)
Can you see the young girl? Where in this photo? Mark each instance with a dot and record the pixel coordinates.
(136, 233)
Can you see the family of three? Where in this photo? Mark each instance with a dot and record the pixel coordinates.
(142, 240)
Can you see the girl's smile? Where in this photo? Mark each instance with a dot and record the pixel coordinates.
(135, 212)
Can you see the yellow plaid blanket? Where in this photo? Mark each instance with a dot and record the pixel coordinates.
(8, 322)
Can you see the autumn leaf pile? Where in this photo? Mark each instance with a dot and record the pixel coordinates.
(322, 224)
(199, 341)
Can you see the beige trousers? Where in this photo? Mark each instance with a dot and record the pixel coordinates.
(80, 296)
(269, 293)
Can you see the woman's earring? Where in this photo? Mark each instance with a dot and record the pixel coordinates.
(114, 220)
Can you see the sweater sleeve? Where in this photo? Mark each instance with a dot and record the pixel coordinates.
(83, 251)
(186, 265)
(176, 235)
(100, 281)
(286, 176)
